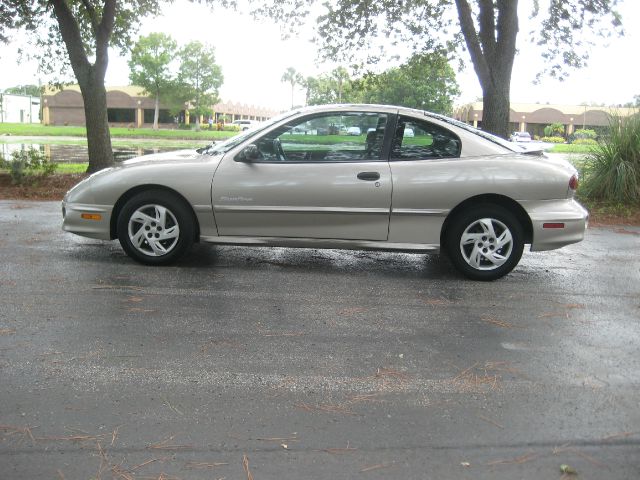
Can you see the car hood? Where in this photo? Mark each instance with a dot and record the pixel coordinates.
(173, 156)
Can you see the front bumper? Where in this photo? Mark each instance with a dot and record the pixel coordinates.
(95, 224)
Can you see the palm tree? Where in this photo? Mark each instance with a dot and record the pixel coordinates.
(341, 77)
(294, 78)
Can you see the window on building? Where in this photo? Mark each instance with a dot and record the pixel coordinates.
(164, 116)
(121, 115)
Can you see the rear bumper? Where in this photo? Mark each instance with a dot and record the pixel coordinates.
(570, 214)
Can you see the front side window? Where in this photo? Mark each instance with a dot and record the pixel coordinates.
(417, 139)
(335, 137)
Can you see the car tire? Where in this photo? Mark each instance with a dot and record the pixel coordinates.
(156, 227)
(485, 242)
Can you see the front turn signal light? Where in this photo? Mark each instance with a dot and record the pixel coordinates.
(91, 216)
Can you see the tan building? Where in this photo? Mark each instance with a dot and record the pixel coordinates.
(129, 106)
(533, 117)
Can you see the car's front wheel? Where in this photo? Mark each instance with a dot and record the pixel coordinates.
(485, 242)
(155, 227)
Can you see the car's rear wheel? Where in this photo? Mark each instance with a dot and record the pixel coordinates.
(485, 242)
(155, 227)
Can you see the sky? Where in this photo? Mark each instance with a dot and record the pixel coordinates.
(253, 58)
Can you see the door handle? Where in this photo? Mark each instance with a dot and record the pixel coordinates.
(369, 176)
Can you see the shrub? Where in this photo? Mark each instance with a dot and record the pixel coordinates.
(585, 141)
(552, 139)
(612, 169)
(26, 163)
(585, 133)
(554, 130)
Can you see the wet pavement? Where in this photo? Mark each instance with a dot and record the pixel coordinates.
(314, 364)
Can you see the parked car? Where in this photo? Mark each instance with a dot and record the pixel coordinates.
(453, 188)
(245, 124)
(354, 131)
(520, 137)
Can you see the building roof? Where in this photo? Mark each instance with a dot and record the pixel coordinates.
(566, 109)
(131, 90)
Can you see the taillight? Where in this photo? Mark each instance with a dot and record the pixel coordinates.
(573, 182)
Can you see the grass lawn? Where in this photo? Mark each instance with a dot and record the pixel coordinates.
(37, 130)
(65, 168)
(571, 148)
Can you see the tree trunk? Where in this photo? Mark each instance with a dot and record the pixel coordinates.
(90, 76)
(492, 48)
(94, 95)
(496, 107)
(156, 113)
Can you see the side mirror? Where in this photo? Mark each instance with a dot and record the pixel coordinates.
(248, 154)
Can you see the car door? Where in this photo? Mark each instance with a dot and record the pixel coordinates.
(308, 179)
(427, 178)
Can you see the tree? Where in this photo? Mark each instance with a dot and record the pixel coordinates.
(426, 82)
(294, 78)
(341, 77)
(79, 33)
(200, 77)
(487, 29)
(32, 90)
(321, 90)
(635, 103)
(149, 67)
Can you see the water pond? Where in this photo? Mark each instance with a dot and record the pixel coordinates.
(77, 153)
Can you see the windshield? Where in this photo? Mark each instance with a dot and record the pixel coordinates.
(489, 136)
(225, 146)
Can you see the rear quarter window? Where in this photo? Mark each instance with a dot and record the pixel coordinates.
(418, 140)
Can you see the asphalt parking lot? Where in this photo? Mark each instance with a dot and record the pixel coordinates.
(256, 363)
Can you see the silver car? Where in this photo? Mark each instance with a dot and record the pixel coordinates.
(295, 182)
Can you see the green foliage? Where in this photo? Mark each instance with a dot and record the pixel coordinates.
(585, 141)
(69, 168)
(582, 133)
(552, 139)
(612, 170)
(554, 130)
(44, 25)
(28, 163)
(323, 90)
(294, 78)
(27, 129)
(425, 82)
(570, 148)
(364, 33)
(635, 103)
(200, 78)
(32, 90)
(150, 67)
(333, 87)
